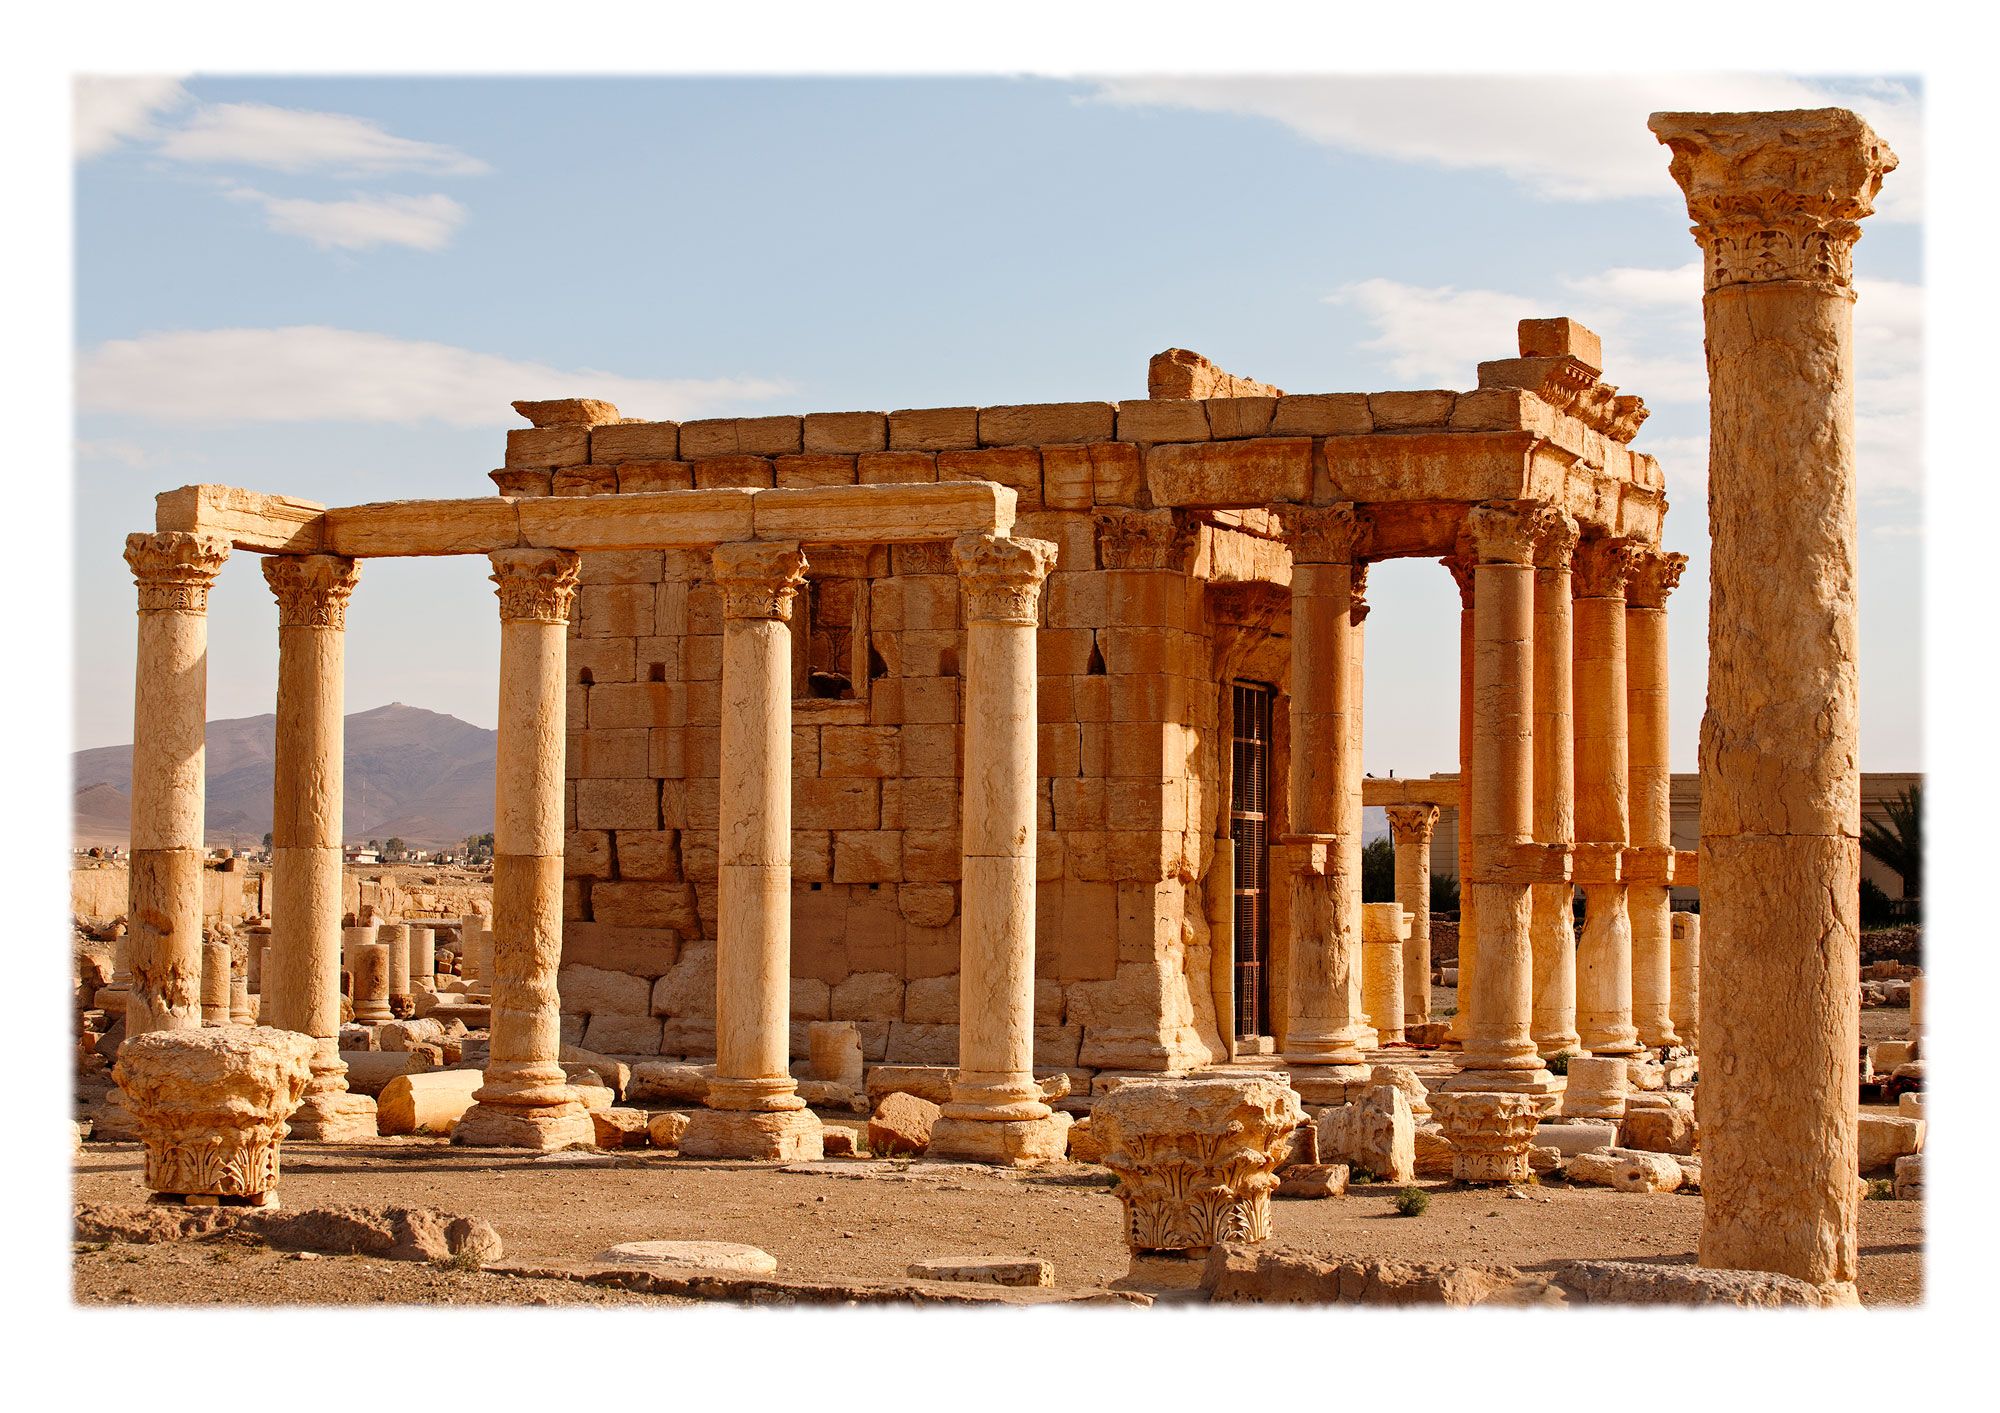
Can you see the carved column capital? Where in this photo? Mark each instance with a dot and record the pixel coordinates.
(1776, 196)
(534, 585)
(1501, 533)
(1655, 574)
(1412, 824)
(1327, 534)
(174, 569)
(1460, 566)
(1144, 539)
(1002, 576)
(759, 578)
(1604, 567)
(1357, 601)
(312, 589)
(1556, 536)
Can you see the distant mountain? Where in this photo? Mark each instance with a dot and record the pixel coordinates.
(415, 774)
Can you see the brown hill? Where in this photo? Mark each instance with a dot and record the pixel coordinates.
(420, 775)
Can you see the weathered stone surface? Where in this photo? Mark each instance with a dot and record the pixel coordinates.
(1883, 1138)
(426, 1103)
(1238, 1273)
(1658, 1131)
(392, 1233)
(1433, 1150)
(902, 1123)
(1490, 1134)
(783, 1136)
(666, 1130)
(1083, 1144)
(1625, 1169)
(620, 1128)
(1570, 1139)
(663, 1081)
(1309, 1180)
(834, 1052)
(932, 1082)
(1909, 1185)
(982, 1270)
(1640, 1283)
(692, 1255)
(1374, 1134)
(211, 1105)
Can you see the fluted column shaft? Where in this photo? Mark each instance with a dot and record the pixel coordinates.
(1604, 953)
(1649, 899)
(1552, 929)
(1412, 826)
(174, 571)
(1777, 200)
(526, 1100)
(1323, 994)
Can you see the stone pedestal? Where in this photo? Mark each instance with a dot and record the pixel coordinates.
(1777, 200)
(1411, 826)
(1597, 1088)
(996, 1113)
(240, 1011)
(163, 947)
(754, 1110)
(1490, 1134)
(526, 1101)
(211, 1107)
(1196, 1159)
(1648, 898)
(1552, 920)
(1324, 1029)
(371, 984)
(423, 957)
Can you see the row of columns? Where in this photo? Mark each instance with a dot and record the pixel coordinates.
(996, 1110)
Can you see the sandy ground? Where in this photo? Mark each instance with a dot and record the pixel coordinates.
(848, 1218)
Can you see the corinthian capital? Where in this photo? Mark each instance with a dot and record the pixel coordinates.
(1144, 539)
(1556, 534)
(759, 578)
(1412, 824)
(1605, 567)
(535, 585)
(1776, 196)
(1501, 533)
(1327, 534)
(1655, 575)
(1357, 595)
(1002, 576)
(312, 589)
(174, 569)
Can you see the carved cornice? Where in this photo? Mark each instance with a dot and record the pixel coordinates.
(1144, 539)
(534, 585)
(1776, 196)
(1570, 386)
(1501, 533)
(174, 569)
(759, 578)
(1604, 567)
(1327, 534)
(1001, 577)
(1413, 824)
(1654, 576)
(1556, 536)
(312, 589)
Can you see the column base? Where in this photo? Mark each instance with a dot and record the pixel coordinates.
(1329, 1084)
(1544, 1088)
(1550, 1046)
(537, 1130)
(1012, 1142)
(758, 1135)
(338, 1117)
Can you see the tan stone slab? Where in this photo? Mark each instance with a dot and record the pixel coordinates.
(1168, 419)
(635, 441)
(568, 412)
(247, 519)
(1255, 471)
(934, 429)
(1442, 793)
(658, 520)
(426, 527)
(888, 514)
(548, 446)
(1035, 423)
(1452, 466)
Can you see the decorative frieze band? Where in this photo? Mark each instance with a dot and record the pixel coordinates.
(174, 569)
(1144, 539)
(1002, 577)
(312, 589)
(535, 585)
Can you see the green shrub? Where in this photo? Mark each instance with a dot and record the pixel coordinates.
(1558, 1063)
(1412, 1202)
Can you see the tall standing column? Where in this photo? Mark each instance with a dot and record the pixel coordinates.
(1412, 827)
(302, 993)
(754, 1110)
(1777, 200)
(1372, 1027)
(174, 570)
(1499, 1051)
(1651, 767)
(996, 1113)
(1604, 952)
(1323, 995)
(1553, 927)
(526, 1100)
(1461, 567)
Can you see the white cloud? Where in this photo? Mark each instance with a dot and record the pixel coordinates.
(108, 109)
(363, 221)
(297, 140)
(1565, 138)
(309, 373)
(1436, 336)
(127, 454)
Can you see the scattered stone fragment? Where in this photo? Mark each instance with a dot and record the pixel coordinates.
(620, 1128)
(901, 1123)
(1883, 1138)
(1624, 1169)
(1657, 1130)
(1309, 1180)
(1909, 1184)
(665, 1130)
(980, 1270)
(692, 1255)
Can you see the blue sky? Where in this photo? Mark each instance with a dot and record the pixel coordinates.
(333, 288)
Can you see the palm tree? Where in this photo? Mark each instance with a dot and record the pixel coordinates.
(1899, 844)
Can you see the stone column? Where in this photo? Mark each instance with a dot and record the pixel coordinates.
(1499, 1052)
(215, 983)
(1373, 1027)
(170, 707)
(1777, 200)
(1687, 978)
(1552, 929)
(1412, 827)
(526, 1101)
(423, 957)
(370, 965)
(1604, 953)
(996, 1113)
(1323, 997)
(1651, 775)
(302, 991)
(1385, 929)
(396, 937)
(754, 1108)
(1461, 567)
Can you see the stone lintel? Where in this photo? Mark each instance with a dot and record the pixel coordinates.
(249, 520)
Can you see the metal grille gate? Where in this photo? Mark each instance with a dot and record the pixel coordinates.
(1249, 822)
